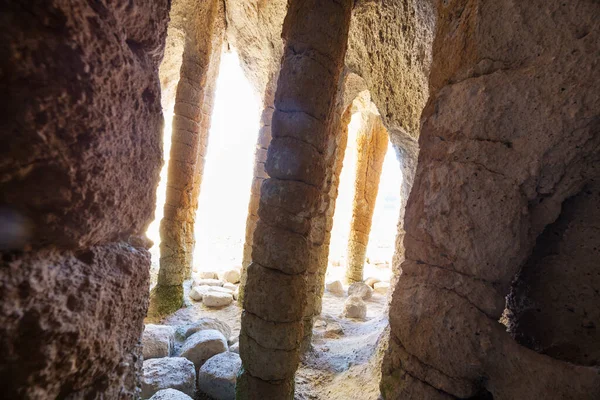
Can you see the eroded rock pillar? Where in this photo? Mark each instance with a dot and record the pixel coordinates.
(506, 138)
(315, 34)
(80, 157)
(372, 143)
(194, 99)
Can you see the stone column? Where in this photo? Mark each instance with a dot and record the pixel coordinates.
(260, 174)
(315, 34)
(194, 99)
(371, 143)
(80, 157)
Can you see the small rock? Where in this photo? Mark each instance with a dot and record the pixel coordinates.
(230, 286)
(335, 287)
(157, 341)
(198, 291)
(235, 348)
(168, 373)
(319, 323)
(203, 345)
(217, 299)
(236, 293)
(231, 276)
(333, 330)
(372, 281)
(360, 289)
(208, 282)
(170, 394)
(382, 287)
(208, 275)
(204, 324)
(219, 289)
(355, 307)
(217, 376)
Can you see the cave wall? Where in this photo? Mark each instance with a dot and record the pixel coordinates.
(511, 130)
(80, 153)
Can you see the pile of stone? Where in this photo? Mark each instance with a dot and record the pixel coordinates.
(216, 290)
(179, 361)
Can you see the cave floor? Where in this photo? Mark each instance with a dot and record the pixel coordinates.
(343, 364)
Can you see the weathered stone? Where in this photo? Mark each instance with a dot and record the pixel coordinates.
(371, 281)
(202, 325)
(208, 275)
(168, 373)
(283, 289)
(202, 345)
(218, 375)
(333, 330)
(84, 309)
(272, 335)
(235, 348)
(251, 388)
(361, 290)
(157, 341)
(197, 292)
(170, 394)
(217, 299)
(355, 307)
(266, 363)
(382, 287)
(208, 282)
(230, 286)
(335, 287)
(231, 276)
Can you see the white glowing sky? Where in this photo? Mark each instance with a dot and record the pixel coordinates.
(225, 190)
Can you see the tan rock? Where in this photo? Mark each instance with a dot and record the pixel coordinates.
(361, 290)
(217, 299)
(355, 307)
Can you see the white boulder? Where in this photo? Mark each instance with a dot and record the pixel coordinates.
(230, 286)
(335, 287)
(208, 275)
(208, 282)
(360, 289)
(168, 373)
(204, 324)
(355, 307)
(231, 276)
(170, 394)
(157, 341)
(198, 291)
(371, 281)
(218, 375)
(217, 299)
(203, 345)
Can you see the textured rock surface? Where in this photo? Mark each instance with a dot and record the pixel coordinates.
(80, 155)
(218, 375)
(231, 276)
(170, 394)
(554, 307)
(157, 341)
(381, 287)
(202, 345)
(84, 118)
(509, 133)
(71, 321)
(168, 373)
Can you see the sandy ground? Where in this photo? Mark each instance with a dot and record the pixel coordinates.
(344, 362)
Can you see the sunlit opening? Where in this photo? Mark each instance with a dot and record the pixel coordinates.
(381, 245)
(228, 172)
(225, 189)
